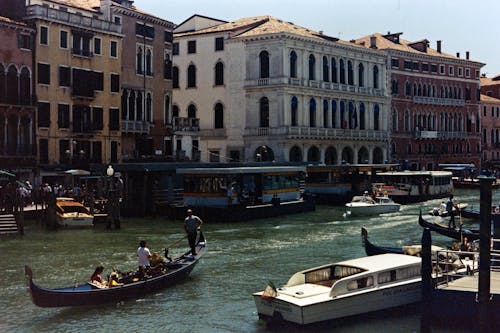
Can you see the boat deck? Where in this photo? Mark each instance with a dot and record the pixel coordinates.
(470, 283)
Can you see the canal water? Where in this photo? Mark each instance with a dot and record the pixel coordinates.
(217, 297)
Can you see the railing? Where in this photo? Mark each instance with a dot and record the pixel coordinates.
(438, 135)
(438, 101)
(82, 53)
(449, 265)
(72, 19)
(186, 124)
(215, 132)
(316, 132)
(131, 126)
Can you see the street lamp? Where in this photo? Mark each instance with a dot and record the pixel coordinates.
(110, 171)
(113, 201)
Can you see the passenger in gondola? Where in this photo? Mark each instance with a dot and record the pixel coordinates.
(96, 278)
(143, 257)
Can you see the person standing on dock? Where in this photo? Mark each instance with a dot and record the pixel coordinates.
(449, 210)
(191, 224)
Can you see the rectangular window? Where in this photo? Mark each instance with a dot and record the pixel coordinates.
(97, 46)
(467, 72)
(97, 151)
(63, 115)
(44, 35)
(81, 43)
(43, 110)
(169, 37)
(98, 81)
(113, 52)
(442, 69)
(425, 67)
(25, 42)
(97, 119)
(219, 44)
(175, 49)
(44, 151)
(408, 64)
(81, 119)
(191, 46)
(114, 119)
(451, 70)
(115, 83)
(477, 74)
(415, 66)
(114, 152)
(43, 73)
(82, 84)
(141, 29)
(64, 76)
(117, 20)
(63, 39)
(394, 62)
(460, 71)
(434, 68)
(64, 151)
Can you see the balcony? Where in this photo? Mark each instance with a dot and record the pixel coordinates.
(132, 126)
(293, 132)
(79, 21)
(183, 124)
(438, 101)
(82, 53)
(213, 133)
(314, 84)
(439, 135)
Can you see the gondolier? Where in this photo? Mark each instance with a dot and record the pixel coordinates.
(191, 224)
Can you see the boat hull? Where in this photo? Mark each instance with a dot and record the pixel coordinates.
(457, 234)
(371, 300)
(366, 210)
(75, 221)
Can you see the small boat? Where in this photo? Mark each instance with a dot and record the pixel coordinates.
(343, 289)
(450, 232)
(71, 213)
(169, 273)
(366, 205)
(442, 212)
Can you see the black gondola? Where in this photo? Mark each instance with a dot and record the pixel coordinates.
(372, 249)
(86, 294)
(457, 234)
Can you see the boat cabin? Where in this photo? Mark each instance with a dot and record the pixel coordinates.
(227, 186)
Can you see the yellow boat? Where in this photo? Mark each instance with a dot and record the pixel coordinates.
(71, 213)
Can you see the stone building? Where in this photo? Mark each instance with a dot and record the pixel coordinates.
(435, 102)
(77, 80)
(146, 119)
(490, 126)
(263, 89)
(17, 111)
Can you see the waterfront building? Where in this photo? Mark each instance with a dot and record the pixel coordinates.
(146, 118)
(17, 111)
(264, 89)
(77, 81)
(490, 125)
(435, 102)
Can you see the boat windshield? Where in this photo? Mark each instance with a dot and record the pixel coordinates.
(74, 209)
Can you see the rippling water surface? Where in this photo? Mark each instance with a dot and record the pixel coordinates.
(241, 259)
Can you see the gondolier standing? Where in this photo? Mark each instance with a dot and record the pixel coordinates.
(449, 209)
(191, 224)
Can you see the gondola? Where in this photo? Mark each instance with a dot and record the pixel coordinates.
(86, 294)
(457, 234)
(372, 249)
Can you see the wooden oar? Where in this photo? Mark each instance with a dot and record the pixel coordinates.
(172, 244)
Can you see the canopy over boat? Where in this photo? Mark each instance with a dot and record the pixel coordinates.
(169, 273)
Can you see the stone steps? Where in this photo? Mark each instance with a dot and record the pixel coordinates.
(8, 224)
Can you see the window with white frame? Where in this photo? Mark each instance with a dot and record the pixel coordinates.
(63, 39)
(467, 72)
(442, 69)
(113, 49)
(460, 71)
(451, 70)
(44, 35)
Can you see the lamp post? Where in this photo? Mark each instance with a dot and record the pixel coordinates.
(113, 201)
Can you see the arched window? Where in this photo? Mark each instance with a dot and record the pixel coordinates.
(326, 70)
(264, 112)
(2, 85)
(264, 64)
(376, 117)
(334, 71)
(175, 77)
(362, 116)
(12, 85)
(191, 76)
(313, 154)
(219, 74)
(149, 110)
(343, 121)
(312, 112)
(353, 116)
(361, 75)
(350, 73)
(294, 115)
(166, 110)
(149, 61)
(131, 106)
(325, 113)
(218, 116)
(295, 154)
(25, 87)
(138, 106)
(191, 111)
(175, 112)
(312, 67)
(293, 64)
(167, 70)
(375, 77)
(407, 88)
(124, 104)
(342, 71)
(334, 114)
(139, 59)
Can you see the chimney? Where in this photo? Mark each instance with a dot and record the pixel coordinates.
(373, 42)
(439, 46)
(458, 54)
(105, 6)
(467, 55)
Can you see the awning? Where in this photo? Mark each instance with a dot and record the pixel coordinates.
(6, 173)
(77, 172)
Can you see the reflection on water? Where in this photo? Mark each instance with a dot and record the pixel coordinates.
(241, 259)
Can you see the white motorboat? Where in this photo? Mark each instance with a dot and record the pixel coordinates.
(343, 289)
(71, 213)
(366, 205)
